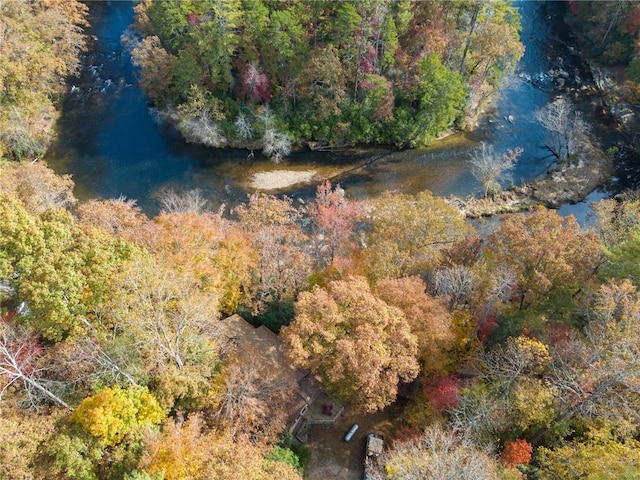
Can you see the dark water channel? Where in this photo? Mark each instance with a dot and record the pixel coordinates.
(113, 145)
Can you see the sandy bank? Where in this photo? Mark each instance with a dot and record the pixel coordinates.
(280, 179)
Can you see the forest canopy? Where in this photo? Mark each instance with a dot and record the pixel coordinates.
(520, 346)
(269, 75)
(39, 45)
(515, 352)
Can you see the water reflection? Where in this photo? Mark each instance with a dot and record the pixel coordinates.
(112, 143)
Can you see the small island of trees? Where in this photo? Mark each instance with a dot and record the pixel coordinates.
(269, 75)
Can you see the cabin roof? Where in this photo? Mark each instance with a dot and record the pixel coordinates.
(261, 342)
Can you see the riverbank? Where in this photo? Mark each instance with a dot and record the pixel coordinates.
(568, 183)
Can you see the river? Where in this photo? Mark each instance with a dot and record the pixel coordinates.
(113, 144)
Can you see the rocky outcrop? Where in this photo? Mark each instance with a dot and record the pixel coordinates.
(613, 96)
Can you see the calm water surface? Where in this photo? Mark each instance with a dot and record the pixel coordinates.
(112, 143)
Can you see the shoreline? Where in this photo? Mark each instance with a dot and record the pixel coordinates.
(564, 184)
(568, 183)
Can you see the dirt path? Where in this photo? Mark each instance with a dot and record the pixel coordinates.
(333, 458)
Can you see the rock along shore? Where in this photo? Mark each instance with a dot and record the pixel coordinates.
(569, 182)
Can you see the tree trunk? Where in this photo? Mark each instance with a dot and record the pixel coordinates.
(474, 21)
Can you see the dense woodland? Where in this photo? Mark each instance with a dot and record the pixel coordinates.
(609, 37)
(271, 74)
(39, 46)
(522, 342)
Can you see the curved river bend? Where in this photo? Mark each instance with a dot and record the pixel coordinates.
(112, 143)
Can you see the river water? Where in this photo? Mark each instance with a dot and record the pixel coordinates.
(112, 143)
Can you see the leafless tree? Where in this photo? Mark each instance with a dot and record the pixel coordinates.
(190, 201)
(101, 360)
(439, 454)
(275, 145)
(172, 319)
(245, 131)
(516, 358)
(273, 227)
(480, 414)
(487, 166)
(598, 374)
(202, 129)
(616, 219)
(457, 283)
(501, 288)
(253, 399)
(20, 365)
(564, 125)
(21, 142)
(618, 14)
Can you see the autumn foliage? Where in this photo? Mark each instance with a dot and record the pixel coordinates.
(334, 217)
(545, 251)
(184, 450)
(255, 84)
(337, 73)
(486, 326)
(113, 412)
(205, 247)
(178, 451)
(441, 391)
(516, 452)
(114, 337)
(427, 317)
(41, 44)
(360, 346)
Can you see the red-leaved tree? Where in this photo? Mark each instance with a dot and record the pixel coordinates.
(442, 391)
(486, 326)
(334, 218)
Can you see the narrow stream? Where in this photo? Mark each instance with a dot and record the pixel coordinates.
(112, 143)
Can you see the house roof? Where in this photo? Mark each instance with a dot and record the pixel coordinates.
(264, 346)
(251, 341)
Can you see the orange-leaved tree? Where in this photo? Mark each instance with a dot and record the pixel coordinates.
(545, 251)
(427, 316)
(274, 231)
(360, 346)
(206, 247)
(516, 452)
(185, 450)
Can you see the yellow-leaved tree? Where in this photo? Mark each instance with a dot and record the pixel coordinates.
(183, 450)
(114, 412)
(408, 234)
(41, 43)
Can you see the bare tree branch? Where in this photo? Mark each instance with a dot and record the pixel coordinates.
(487, 167)
(191, 201)
(19, 352)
